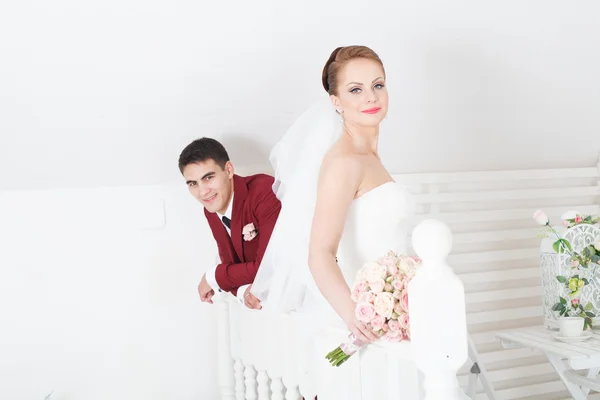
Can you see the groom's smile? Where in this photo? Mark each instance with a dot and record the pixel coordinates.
(210, 184)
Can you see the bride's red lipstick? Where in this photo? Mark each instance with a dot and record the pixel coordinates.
(372, 110)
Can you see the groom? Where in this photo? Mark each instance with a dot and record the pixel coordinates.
(241, 213)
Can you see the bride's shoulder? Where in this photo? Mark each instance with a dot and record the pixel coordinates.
(337, 161)
(340, 156)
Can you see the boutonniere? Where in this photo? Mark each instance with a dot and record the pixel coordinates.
(249, 232)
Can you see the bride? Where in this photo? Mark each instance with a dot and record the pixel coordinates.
(340, 209)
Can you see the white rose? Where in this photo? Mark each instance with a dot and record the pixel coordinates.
(408, 265)
(360, 275)
(373, 272)
(377, 286)
(384, 304)
(541, 217)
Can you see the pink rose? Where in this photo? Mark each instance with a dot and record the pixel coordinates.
(364, 312)
(377, 285)
(394, 325)
(393, 270)
(578, 219)
(541, 217)
(388, 261)
(398, 309)
(565, 224)
(384, 304)
(398, 284)
(393, 336)
(366, 297)
(404, 301)
(575, 263)
(377, 322)
(406, 335)
(385, 327)
(397, 294)
(575, 302)
(358, 289)
(404, 321)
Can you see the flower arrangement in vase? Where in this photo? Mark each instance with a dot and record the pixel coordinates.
(583, 260)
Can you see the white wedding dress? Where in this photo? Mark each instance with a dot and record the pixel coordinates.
(377, 222)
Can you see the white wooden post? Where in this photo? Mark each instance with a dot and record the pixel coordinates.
(226, 377)
(250, 375)
(240, 388)
(438, 325)
(478, 371)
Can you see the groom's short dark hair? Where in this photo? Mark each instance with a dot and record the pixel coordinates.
(202, 150)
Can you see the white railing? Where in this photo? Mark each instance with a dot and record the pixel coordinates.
(496, 255)
(259, 355)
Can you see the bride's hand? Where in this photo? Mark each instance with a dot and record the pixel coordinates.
(361, 332)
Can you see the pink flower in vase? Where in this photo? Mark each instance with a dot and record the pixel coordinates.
(540, 217)
(575, 303)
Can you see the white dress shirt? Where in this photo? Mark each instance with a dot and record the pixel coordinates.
(210, 273)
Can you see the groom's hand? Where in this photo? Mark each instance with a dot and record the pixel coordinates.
(250, 300)
(205, 291)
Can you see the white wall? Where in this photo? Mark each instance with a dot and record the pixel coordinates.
(98, 295)
(96, 94)
(108, 92)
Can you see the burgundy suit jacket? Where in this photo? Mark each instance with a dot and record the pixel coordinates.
(253, 202)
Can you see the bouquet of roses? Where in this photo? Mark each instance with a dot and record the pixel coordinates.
(380, 291)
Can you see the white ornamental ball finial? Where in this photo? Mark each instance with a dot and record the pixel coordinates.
(432, 240)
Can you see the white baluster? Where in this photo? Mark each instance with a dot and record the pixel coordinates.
(277, 389)
(293, 393)
(240, 387)
(250, 375)
(263, 385)
(291, 357)
(437, 313)
(225, 361)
